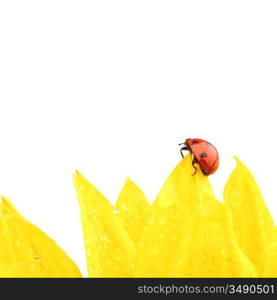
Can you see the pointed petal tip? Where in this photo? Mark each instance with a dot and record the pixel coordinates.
(79, 180)
(78, 176)
(128, 180)
(77, 173)
(186, 157)
(186, 160)
(4, 201)
(240, 164)
(238, 161)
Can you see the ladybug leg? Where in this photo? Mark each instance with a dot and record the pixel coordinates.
(183, 149)
(195, 169)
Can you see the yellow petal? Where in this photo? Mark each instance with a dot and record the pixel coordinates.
(178, 198)
(133, 209)
(8, 270)
(28, 252)
(209, 247)
(270, 264)
(184, 218)
(7, 255)
(252, 221)
(109, 249)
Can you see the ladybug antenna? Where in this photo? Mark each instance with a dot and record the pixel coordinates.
(181, 144)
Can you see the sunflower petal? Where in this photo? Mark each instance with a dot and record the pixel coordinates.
(109, 249)
(253, 224)
(169, 215)
(185, 220)
(133, 209)
(26, 251)
(209, 248)
(270, 265)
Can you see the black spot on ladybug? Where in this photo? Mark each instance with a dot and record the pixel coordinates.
(203, 154)
(194, 142)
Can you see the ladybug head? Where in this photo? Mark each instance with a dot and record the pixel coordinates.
(185, 142)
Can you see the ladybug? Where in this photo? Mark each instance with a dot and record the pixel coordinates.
(204, 154)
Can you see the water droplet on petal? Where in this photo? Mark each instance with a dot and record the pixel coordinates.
(116, 210)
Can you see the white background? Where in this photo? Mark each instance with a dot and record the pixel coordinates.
(111, 87)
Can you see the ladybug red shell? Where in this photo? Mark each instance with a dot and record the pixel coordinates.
(204, 154)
